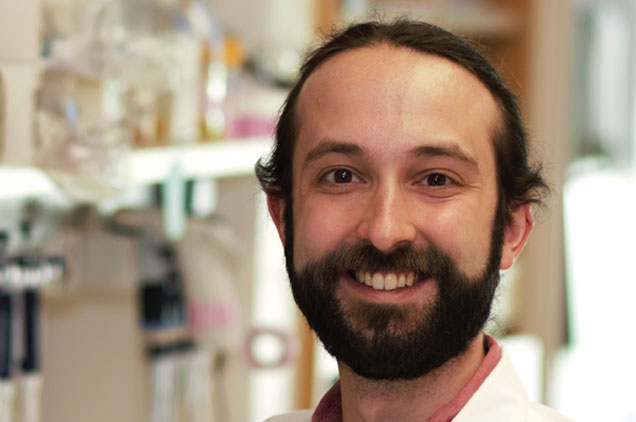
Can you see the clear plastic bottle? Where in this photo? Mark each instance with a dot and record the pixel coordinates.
(162, 69)
(213, 70)
(81, 138)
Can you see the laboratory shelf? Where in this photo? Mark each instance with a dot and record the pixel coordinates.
(24, 181)
(227, 158)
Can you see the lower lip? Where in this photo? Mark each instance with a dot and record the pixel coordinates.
(395, 296)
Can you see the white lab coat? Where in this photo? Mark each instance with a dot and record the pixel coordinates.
(500, 398)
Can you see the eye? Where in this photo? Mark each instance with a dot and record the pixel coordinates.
(341, 176)
(437, 179)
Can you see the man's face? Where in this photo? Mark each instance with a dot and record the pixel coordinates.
(393, 203)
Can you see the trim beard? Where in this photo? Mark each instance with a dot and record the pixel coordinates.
(391, 342)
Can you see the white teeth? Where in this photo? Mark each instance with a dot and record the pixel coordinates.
(390, 281)
(378, 281)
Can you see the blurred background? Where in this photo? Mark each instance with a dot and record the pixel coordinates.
(140, 278)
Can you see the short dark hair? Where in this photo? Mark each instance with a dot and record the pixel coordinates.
(518, 182)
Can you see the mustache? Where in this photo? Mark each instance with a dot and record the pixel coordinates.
(429, 261)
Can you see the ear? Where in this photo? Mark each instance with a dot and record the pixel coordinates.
(516, 234)
(276, 207)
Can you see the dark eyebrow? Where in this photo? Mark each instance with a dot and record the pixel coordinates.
(451, 151)
(327, 146)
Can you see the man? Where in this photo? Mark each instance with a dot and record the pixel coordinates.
(400, 186)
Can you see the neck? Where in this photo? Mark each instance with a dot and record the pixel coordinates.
(408, 400)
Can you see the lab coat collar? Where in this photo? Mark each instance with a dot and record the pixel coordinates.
(501, 397)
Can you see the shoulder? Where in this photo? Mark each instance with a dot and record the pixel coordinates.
(296, 416)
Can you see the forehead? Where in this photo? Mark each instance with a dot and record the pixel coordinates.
(398, 94)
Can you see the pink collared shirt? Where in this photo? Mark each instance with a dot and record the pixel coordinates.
(330, 407)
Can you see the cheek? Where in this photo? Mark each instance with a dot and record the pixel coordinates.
(319, 228)
(464, 234)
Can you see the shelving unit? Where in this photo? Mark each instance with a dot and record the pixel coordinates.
(231, 163)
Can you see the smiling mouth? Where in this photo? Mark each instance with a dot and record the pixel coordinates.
(386, 280)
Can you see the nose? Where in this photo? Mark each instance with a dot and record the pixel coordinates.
(387, 222)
